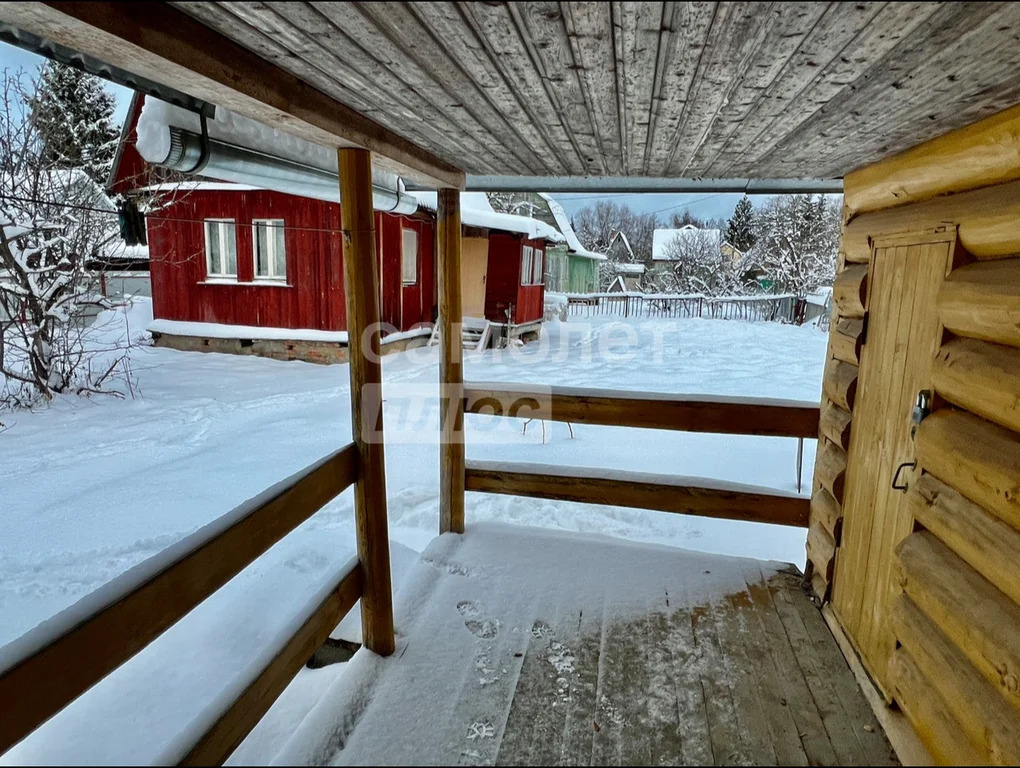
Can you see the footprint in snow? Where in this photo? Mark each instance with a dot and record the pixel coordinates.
(483, 628)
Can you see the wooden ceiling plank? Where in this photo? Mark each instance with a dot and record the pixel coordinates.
(589, 31)
(541, 26)
(681, 56)
(445, 22)
(896, 73)
(738, 32)
(167, 46)
(816, 59)
(949, 91)
(793, 22)
(420, 59)
(271, 50)
(343, 45)
(636, 34)
(286, 44)
(496, 26)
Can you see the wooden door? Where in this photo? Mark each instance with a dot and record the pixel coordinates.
(473, 266)
(903, 333)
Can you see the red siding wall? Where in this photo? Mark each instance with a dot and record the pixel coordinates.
(314, 294)
(503, 281)
(531, 298)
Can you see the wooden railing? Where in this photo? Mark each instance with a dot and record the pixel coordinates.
(694, 496)
(75, 650)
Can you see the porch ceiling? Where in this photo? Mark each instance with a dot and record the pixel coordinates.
(729, 91)
(754, 90)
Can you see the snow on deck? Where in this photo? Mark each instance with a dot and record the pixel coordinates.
(93, 487)
(523, 646)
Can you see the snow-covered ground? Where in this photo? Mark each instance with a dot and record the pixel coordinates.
(91, 488)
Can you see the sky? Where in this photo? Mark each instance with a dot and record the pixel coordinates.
(703, 205)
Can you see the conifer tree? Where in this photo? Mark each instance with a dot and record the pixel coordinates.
(73, 114)
(740, 228)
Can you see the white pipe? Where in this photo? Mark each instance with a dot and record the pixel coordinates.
(235, 148)
(229, 162)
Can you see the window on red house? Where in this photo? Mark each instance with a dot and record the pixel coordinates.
(527, 257)
(269, 249)
(220, 249)
(409, 257)
(537, 275)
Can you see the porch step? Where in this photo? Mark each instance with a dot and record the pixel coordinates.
(474, 334)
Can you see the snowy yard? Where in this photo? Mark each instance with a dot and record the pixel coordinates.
(91, 488)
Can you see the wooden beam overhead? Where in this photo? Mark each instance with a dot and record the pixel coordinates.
(163, 44)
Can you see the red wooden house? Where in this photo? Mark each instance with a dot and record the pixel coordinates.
(502, 264)
(250, 270)
(254, 271)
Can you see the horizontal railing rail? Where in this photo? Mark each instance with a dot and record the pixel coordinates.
(760, 417)
(684, 495)
(243, 713)
(51, 666)
(721, 415)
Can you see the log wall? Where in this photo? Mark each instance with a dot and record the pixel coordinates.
(839, 392)
(955, 671)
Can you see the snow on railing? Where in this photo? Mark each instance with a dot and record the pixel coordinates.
(52, 665)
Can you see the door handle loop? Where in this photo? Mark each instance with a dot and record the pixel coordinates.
(897, 486)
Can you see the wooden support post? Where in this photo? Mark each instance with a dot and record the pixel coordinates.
(361, 285)
(451, 366)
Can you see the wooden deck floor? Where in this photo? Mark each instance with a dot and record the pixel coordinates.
(630, 655)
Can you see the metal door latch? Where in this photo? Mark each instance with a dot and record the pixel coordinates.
(922, 408)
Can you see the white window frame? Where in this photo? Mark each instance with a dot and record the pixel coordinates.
(527, 256)
(273, 276)
(537, 269)
(404, 232)
(221, 238)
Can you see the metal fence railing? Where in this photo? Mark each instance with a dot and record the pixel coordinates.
(780, 308)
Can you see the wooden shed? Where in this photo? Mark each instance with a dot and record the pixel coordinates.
(913, 524)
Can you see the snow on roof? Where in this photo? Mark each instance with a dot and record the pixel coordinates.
(563, 222)
(476, 211)
(662, 238)
(119, 250)
(71, 185)
(619, 235)
(630, 269)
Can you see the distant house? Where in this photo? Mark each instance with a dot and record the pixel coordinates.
(502, 263)
(619, 249)
(731, 252)
(244, 269)
(582, 265)
(627, 278)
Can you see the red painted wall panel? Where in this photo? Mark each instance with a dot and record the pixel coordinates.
(531, 298)
(503, 282)
(314, 294)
